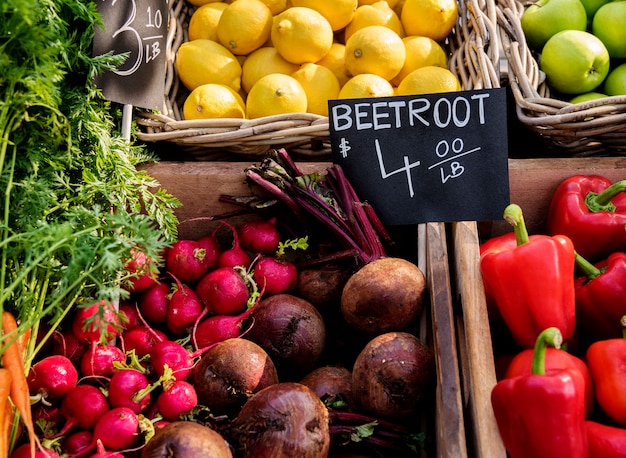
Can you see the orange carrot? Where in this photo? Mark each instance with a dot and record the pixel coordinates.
(12, 361)
(5, 405)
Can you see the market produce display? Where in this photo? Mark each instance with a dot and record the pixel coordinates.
(580, 46)
(256, 58)
(577, 306)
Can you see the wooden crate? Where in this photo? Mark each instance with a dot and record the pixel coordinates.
(532, 183)
(198, 184)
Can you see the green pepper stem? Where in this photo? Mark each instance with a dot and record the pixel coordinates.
(623, 323)
(587, 268)
(514, 216)
(549, 337)
(602, 202)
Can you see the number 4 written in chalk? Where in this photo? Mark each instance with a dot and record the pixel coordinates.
(406, 169)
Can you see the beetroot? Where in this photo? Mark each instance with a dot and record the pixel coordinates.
(331, 384)
(52, 377)
(154, 302)
(100, 359)
(130, 388)
(259, 236)
(97, 322)
(118, 429)
(291, 331)
(187, 261)
(186, 439)
(275, 275)
(224, 291)
(177, 398)
(184, 309)
(283, 420)
(230, 372)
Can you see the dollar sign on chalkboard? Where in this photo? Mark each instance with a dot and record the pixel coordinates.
(138, 30)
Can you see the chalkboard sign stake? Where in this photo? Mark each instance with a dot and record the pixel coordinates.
(127, 119)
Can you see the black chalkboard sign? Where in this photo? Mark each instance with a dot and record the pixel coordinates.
(138, 28)
(427, 158)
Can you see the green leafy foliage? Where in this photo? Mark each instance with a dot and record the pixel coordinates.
(74, 203)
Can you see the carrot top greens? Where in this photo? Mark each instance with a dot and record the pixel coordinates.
(73, 201)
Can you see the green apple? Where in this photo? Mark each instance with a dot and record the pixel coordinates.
(544, 18)
(591, 6)
(615, 82)
(574, 61)
(587, 96)
(609, 25)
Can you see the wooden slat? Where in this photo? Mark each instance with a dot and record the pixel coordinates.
(479, 374)
(451, 440)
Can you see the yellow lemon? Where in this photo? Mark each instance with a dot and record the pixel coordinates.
(398, 7)
(378, 13)
(275, 94)
(301, 35)
(203, 21)
(429, 18)
(339, 13)
(335, 60)
(276, 6)
(375, 49)
(213, 101)
(261, 62)
(201, 2)
(205, 61)
(244, 26)
(391, 3)
(429, 80)
(366, 85)
(421, 52)
(320, 85)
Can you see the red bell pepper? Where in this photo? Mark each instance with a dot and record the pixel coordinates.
(591, 211)
(555, 359)
(607, 364)
(533, 283)
(601, 296)
(605, 441)
(542, 414)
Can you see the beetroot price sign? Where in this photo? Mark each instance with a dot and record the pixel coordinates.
(136, 29)
(427, 158)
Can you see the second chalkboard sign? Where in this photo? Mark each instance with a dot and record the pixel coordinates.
(427, 158)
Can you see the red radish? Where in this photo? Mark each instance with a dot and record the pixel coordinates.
(78, 443)
(276, 275)
(154, 302)
(177, 398)
(173, 355)
(118, 429)
(187, 261)
(96, 322)
(67, 344)
(224, 291)
(185, 308)
(101, 452)
(130, 388)
(99, 360)
(139, 267)
(213, 250)
(129, 315)
(52, 377)
(47, 418)
(82, 407)
(23, 451)
(141, 339)
(259, 236)
(234, 256)
(218, 328)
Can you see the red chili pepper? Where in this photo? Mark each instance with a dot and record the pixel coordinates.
(556, 358)
(605, 441)
(591, 211)
(607, 364)
(601, 296)
(533, 283)
(542, 414)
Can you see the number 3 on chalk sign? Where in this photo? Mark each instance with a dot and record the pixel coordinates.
(425, 158)
(136, 29)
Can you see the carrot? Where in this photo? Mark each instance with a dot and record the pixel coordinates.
(5, 405)
(13, 362)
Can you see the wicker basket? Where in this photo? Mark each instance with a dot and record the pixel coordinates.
(472, 57)
(594, 128)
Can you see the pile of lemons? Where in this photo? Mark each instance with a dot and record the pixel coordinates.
(256, 58)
